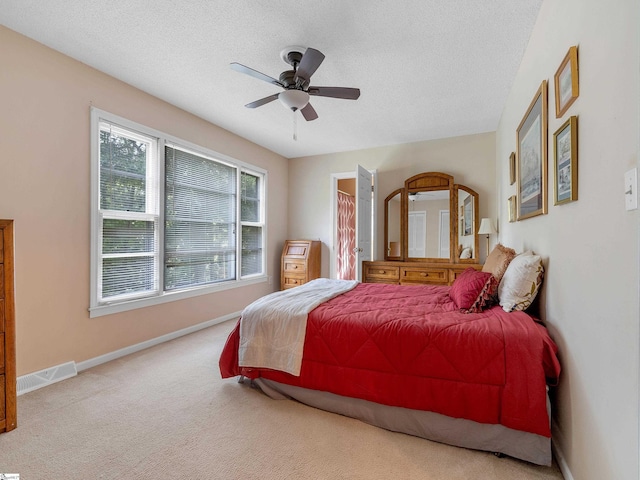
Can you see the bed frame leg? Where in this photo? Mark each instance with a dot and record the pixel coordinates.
(241, 379)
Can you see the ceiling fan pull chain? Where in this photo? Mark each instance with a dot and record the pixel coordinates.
(295, 127)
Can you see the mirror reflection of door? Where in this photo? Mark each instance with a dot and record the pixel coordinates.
(445, 243)
(433, 234)
(418, 234)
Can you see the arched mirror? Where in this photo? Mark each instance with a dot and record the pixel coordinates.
(429, 232)
(467, 224)
(432, 220)
(393, 225)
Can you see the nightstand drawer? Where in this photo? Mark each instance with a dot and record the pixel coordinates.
(424, 275)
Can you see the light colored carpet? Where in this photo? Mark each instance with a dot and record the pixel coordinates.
(165, 413)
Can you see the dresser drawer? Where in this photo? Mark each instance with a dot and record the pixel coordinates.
(289, 281)
(424, 275)
(293, 266)
(381, 273)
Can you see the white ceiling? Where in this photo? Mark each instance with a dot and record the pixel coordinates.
(426, 69)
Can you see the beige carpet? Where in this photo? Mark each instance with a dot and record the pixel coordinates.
(165, 413)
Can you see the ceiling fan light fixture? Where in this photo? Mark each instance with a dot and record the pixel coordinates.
(294, 99)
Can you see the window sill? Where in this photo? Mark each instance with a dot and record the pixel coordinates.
(108, 309)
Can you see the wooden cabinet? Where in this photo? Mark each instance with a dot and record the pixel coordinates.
(8, 416)
(413, 273)
(300, 262)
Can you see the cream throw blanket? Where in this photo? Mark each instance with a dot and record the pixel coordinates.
(272, 329)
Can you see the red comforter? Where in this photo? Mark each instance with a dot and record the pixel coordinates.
(409, 346)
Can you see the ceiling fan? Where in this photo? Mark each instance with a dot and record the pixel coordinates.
(304, 61)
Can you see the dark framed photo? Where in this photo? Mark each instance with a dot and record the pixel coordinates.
(565, 162)
(532, 157)
(512, 168)
(566, 82)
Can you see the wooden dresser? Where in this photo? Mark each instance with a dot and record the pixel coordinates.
(8, 414)
(407, 273)
(300, 262)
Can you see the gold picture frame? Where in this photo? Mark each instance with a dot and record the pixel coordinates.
(511, 208)
(565, 162)
(512, 168)
(531, 156)
(566, 82)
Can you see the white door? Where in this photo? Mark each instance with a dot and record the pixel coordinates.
(417, 234)
(445, 240)
(364, 208)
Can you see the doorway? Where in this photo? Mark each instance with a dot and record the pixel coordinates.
(344, 215)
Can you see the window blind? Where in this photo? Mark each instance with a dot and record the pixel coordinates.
(200, 219)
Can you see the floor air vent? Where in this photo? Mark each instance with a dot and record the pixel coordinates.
(36, 380)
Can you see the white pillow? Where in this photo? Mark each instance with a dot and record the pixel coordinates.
(521, 282)
(466, 253)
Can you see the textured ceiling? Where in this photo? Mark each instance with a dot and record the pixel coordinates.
(426, 68)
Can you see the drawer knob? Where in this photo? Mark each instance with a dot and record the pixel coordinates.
(424, 274)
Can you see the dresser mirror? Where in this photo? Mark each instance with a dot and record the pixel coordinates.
(468, 216)
(393, 225)
(431, 219)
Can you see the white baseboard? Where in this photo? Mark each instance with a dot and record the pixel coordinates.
(48, 376)
(107, 357)
(557, 452)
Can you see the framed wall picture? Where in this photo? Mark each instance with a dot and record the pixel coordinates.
(531, 157)
(512, 168)
(565, 162)
(511, 208)
(566, 82)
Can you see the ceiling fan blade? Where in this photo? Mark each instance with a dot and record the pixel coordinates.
(262, 101)
(309, 113)
(310, 62)
(255, 74)
(335, 92)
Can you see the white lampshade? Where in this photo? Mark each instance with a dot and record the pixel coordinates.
(294, 99)
(486, 227)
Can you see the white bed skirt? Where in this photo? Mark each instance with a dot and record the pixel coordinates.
(432, 426)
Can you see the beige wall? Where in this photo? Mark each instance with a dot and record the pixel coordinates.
(590, 247)
(44, 186)
(470, 159)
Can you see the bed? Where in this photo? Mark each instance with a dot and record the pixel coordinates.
(405, 358)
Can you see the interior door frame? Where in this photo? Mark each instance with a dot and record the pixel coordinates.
(334, 216)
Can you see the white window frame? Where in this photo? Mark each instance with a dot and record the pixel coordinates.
(121, 304)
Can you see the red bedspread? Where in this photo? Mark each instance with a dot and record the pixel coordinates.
(409, 346)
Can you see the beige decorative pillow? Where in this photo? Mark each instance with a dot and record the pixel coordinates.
(498, 261)
(521, 282)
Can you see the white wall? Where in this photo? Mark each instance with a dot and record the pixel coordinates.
(470, 159)
(590, 298)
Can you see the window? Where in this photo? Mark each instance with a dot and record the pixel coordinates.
(170, 219)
